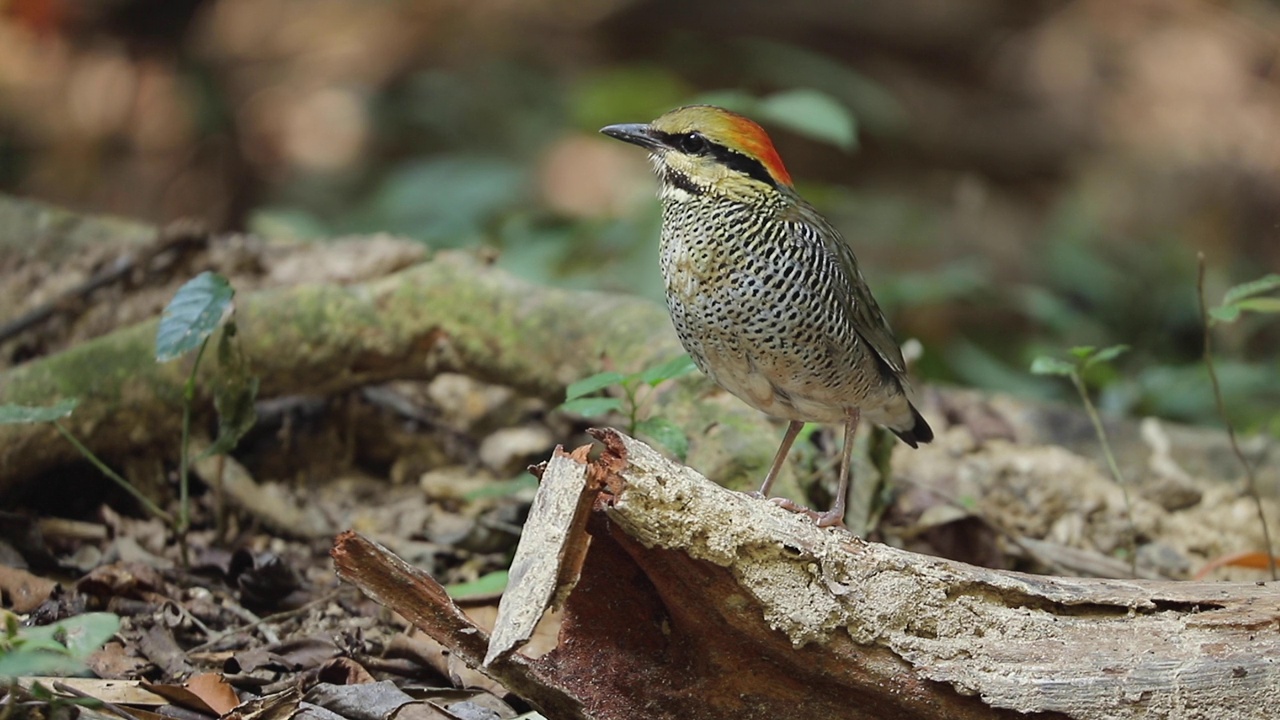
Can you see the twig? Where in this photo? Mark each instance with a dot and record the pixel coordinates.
(1096, 419)
(63, 687)
(283, 615)
(1250, 484)
(254, 621)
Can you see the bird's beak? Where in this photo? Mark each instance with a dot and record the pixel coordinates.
(636, 134)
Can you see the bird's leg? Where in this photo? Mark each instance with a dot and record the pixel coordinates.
(835, 516)
(793, 429)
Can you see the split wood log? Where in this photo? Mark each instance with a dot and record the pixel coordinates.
(697, 602)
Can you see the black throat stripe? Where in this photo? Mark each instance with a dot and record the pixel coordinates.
(682, 181)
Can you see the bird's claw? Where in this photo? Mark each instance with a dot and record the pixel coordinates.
(791, 505)
(830, 518)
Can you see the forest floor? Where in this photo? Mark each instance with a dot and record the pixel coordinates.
(253, 621)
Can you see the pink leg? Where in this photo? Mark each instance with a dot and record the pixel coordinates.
(835, 516)
(793, 429)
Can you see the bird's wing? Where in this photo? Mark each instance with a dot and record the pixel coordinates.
(869, 320)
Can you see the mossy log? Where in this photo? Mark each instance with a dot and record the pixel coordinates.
(454, 313)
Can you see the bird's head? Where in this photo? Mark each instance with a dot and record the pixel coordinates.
(702, 149)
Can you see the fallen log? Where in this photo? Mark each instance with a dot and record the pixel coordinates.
(694, 601)
(454, 313)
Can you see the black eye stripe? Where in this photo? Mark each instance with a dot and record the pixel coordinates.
(697, 144)
(743, 164)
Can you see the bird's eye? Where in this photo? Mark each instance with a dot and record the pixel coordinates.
(692, 143)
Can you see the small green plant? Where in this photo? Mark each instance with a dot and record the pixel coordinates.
(59, 648)
(581, 398)
(1084, 358)
(1246, 297)
(197, 310)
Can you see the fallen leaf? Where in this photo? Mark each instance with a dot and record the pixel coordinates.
(344, 671)
(120, 692)
(214, 690)
(1251, 560)
(372, 701)
(206, 693)
(24, 590)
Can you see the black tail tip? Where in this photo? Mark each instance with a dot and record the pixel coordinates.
(920, 432)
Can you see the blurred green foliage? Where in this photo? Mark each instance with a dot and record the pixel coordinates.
(917, 150)
(59, 648)
(460, 170)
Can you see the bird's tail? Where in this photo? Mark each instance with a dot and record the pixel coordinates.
(919, 432)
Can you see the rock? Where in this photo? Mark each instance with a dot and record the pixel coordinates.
(509, 450)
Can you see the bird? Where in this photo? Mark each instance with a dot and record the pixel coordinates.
(765, 294)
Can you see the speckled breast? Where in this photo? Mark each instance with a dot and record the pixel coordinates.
(756, 303)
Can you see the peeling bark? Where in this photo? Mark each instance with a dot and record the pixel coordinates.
(698, 602)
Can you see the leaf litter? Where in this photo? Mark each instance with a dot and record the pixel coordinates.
(257, 624)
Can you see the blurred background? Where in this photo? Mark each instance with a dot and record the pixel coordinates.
(1017, 176)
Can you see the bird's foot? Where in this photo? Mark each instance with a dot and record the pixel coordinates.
(830, 518)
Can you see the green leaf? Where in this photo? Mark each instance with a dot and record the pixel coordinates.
(811, 113)
(59, 647)
(1082, 352)
(237, 415)
(17, 414)
(673, 368)
(1052, 366)
(195, 311)
(592, 406)
(83, 634)
(1229, 313)
(1225, 313)
(588, 385)
(488, 584)
(665, 433)
(1267, 305)
(1262, 285)
(234, 393)
(1106, 355)
(37, 662)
